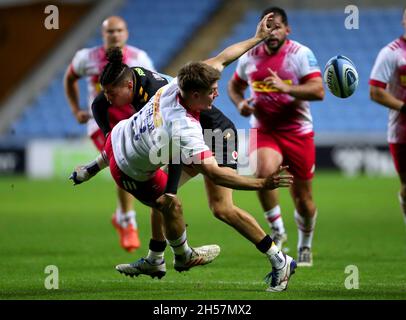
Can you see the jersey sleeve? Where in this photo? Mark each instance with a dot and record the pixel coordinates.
(187, 134)
(383, 69)
(240, 73)
(79, 62)
(145, 61)
(308, 66)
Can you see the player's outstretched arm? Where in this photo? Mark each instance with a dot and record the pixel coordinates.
(84, 173)
(232, 180)
(233, 52)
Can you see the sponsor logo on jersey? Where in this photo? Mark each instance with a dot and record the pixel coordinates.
(262, 86)
(312, 60)
(140, 72)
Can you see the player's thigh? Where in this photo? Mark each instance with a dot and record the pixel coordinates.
(266, 161)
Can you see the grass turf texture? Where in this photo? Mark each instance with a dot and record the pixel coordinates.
(52, 223)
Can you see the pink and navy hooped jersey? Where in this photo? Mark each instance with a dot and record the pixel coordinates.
(294, 64)
(89, 63)
(389, 72)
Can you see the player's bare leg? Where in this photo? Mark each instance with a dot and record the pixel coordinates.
(267, 161)
(305, 217)
(402, 193)
(223, 208)
(124, 220)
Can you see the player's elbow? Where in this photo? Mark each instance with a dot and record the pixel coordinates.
(375, 94)
(319, 93)
(318, 90)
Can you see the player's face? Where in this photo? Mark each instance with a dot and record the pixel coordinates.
(115, 33)
(119, 95)
(278, 36)
(204, 100)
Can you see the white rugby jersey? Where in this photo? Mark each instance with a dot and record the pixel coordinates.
(294, 64)
(389, 72)
(89, 63)
(162, 130)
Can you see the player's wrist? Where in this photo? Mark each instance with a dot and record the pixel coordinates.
(403, 108)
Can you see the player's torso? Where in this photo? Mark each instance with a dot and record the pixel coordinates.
(95, 62)
(274, 109)
(397, 87)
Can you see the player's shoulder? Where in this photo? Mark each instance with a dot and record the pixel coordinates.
(393, 46)
(88, 53)
(135, 52)
(256, 51)
(297, 48)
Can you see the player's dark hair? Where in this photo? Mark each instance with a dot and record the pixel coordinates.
(197, 76)
(115, 71)
(277, 12)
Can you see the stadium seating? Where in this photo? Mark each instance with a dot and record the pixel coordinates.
(323, 31)
(160, 27)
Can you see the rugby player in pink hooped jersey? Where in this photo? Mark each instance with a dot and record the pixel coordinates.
(283, 75)
(388, 88)
(89, 63)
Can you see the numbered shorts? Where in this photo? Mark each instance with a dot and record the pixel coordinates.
(145, 191)
(298, 151)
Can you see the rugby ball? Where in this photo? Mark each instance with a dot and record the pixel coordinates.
(340, 76)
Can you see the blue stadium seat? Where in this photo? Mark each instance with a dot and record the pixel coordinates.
(160, 27)
(357, 113)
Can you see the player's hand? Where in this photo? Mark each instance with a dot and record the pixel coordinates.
(276, 82)
(266, 26)
(82, 116)
(245, 108)
(278, 180)
(79, 175)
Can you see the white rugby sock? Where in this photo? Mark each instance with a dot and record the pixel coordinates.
(305, 228)
(180, 246)
(154, 257)
(276, 257)
(126, 218)
(275, 220)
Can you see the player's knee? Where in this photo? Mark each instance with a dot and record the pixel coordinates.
(222, 212)
(169, 206)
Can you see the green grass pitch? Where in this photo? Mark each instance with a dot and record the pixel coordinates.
(53, 223)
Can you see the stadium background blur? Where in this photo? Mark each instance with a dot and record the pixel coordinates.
(40, 139)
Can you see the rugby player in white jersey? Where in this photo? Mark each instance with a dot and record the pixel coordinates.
(388, 88)
(169, 121)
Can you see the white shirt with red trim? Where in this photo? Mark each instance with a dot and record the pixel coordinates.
(389, 72)
(294, 64)
(89, 63)
(162, 130)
